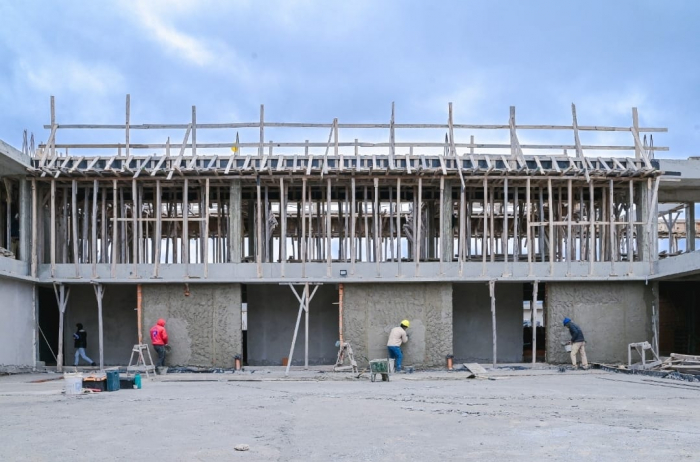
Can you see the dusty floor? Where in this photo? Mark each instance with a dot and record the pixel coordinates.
(524, 415)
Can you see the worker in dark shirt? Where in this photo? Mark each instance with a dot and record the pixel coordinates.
(80, 343)
(578, 343)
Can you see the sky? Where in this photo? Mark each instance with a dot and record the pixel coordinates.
(312, 61)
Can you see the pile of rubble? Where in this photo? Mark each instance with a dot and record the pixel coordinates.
(6, 253)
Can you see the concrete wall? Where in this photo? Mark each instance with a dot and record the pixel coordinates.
(120, 329)
(17, 332)
(204, 328)
(472, 325)
(370, 311)
(611, 315)
(272, 315)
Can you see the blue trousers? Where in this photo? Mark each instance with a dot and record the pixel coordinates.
(395, 353)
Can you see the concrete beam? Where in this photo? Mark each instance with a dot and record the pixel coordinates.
(12, 161)
(246, 273)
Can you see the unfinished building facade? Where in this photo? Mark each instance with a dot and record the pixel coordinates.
(233, 241)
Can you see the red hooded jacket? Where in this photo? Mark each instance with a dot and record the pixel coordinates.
(159, 336)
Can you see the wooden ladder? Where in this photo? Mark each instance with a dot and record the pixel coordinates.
(345, 352)
(141, 365)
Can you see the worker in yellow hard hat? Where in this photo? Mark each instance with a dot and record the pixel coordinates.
(397, 336)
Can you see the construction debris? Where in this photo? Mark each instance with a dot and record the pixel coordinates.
(6, 253)
(677, 366)
(475, 369)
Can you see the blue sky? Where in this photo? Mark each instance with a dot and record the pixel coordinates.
(312, 61)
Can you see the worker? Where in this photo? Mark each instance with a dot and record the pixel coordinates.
(397, 336)
(578, 343)
(159, 338)
(80, 343)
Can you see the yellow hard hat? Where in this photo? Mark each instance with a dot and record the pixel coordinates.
(405, 323)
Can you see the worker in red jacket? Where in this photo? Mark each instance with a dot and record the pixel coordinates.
(159, 338)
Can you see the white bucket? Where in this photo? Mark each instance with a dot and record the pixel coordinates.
(73, 383)
(567, 348)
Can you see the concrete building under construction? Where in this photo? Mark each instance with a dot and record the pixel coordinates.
(341, 230)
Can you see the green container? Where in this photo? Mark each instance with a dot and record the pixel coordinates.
(112, 380)
(379, 366)
(137, 381)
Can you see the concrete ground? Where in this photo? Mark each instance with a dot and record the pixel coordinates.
(519, 415)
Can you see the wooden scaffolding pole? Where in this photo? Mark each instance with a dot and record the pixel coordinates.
(62, 294)
(533, 310)
(99, 293)
(493, 319)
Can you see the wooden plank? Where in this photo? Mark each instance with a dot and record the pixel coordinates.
(258, 227)
(485, 232)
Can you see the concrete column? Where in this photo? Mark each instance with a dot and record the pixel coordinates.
(25, 220)
(235, 237)
(690, 227)
(446, 230)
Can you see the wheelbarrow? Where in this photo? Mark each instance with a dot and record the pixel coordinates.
(381, 367)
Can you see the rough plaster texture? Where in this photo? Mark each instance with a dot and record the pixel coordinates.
(120, 328)
(472, 322)
(204, 328)
(17, 332)
(611, 315)
(272, 315)
(370, 311)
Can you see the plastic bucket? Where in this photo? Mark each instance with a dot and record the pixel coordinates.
(73, 383)
(567, 348)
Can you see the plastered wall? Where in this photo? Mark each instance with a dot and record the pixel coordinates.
(372, 310)
(611, 315)
(204, 328)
